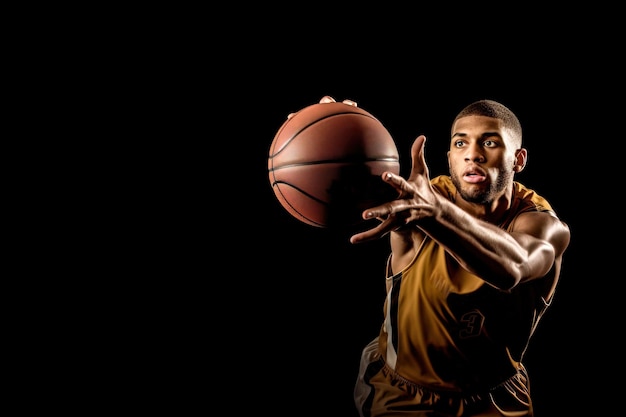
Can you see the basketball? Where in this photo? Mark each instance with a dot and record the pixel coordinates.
(325, 164)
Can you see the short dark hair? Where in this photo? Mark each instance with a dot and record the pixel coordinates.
(491, 108)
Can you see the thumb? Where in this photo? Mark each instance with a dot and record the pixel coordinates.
(418, 164)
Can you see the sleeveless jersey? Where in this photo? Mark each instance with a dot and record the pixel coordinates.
(484, 331)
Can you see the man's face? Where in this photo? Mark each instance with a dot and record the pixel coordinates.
(481, 158)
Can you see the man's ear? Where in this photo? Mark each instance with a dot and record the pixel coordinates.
(521, 156)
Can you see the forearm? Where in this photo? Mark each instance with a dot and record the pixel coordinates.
(480, 247)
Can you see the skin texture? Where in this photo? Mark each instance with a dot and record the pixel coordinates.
(483, 158)
(457, 319)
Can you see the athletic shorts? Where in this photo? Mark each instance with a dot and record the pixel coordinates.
(380, 392)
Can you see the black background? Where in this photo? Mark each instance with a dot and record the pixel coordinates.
(273, 313)
(328, 294)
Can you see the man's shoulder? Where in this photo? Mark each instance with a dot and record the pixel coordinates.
(443, 183)
(529, 199)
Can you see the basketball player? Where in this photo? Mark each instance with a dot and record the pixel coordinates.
(474, 264)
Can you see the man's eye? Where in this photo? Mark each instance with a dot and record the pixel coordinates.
(490, 144)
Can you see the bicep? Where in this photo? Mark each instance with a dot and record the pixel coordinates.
(544, 237)
(404, 246)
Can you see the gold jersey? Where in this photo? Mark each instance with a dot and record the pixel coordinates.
(431, 330)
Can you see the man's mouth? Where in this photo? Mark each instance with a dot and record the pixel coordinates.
(474, 176)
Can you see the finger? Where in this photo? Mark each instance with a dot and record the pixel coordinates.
(396, 181)
(379, 212)
(327, 99)
(418, 160)
(376, 233)
(390, 211)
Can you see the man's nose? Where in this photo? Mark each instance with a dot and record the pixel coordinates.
(474, 154)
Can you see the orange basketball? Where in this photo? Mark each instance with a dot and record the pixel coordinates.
(325, 164)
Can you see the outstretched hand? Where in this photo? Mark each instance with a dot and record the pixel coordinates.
(416, 198)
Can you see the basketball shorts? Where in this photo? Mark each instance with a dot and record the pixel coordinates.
(380, 392)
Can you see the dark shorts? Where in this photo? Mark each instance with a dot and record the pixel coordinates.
(380, 392)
